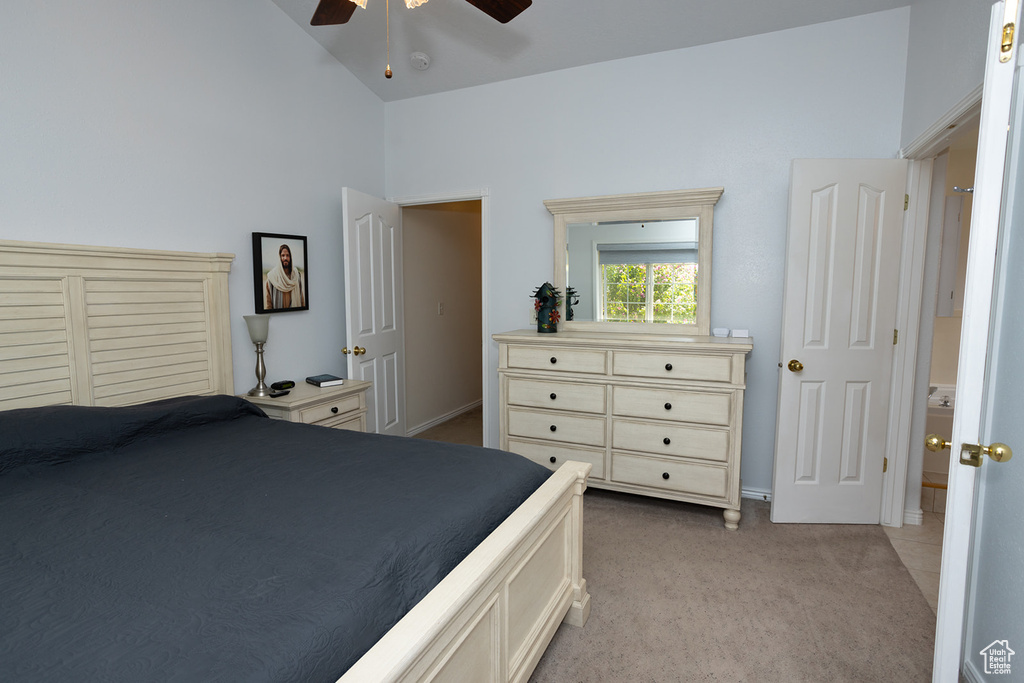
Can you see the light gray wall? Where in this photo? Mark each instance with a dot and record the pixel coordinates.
(946, 59)
(188, 125)
(732, 114)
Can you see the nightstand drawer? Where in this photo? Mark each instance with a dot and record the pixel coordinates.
(554, 457)
(684, 477)
(558, 359)
(667, 404)
(667, 439)
(315, 414)
(673, 366)
(584, 398)
(355, 424)
(552, 426)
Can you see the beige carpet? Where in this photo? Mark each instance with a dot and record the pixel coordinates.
(466, 428)
(676, 597)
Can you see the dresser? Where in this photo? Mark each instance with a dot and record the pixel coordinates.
(654, 415)
(341, 407)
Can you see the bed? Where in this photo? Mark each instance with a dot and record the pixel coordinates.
(91, 336)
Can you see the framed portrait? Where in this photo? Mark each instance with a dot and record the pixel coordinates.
(280, 267)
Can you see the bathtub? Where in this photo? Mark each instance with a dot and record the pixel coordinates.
(939, 421)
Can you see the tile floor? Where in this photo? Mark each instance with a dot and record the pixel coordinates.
(920, 547)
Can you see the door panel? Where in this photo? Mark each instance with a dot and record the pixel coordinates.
(846, 221)
(373, 280)
(981, 600)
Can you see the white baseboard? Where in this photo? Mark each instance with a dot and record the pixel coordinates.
(443, 418)
(913, 517)
(756, 494)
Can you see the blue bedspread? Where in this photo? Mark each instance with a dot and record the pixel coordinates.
(198, 540)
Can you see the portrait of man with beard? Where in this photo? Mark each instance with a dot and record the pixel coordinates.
(283, 275)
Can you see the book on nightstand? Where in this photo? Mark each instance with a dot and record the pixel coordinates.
(325, 380)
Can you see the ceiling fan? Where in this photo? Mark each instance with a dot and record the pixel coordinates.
(330, 12)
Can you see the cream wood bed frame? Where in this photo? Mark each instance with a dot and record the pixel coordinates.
(110, 326)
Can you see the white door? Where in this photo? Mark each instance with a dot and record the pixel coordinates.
(839, 312)
(981, 589)
(373, 311)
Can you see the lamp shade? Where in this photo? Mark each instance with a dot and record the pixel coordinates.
(259, 327)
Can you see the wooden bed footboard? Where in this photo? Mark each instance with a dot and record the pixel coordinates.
(493, 616)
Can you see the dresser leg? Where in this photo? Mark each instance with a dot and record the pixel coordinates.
(732, 519)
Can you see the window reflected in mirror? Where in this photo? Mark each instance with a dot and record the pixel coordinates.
(637, 272)
(637, 261)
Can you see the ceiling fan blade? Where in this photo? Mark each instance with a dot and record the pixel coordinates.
(330, 12)
(502, 10)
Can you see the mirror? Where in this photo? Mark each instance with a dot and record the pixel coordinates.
(636, 262)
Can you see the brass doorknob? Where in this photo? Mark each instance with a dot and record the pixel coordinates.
(970, 454)
(999, 452)
(795, 366)
(345, 350)
(358, 350)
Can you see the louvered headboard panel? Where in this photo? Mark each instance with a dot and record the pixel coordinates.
(106, 326)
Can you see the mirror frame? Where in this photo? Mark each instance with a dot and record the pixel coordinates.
(643, 206)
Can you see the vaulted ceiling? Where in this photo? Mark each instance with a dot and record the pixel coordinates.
(468, 48)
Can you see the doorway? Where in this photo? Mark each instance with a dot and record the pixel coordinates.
(442, 267)
(919, 542)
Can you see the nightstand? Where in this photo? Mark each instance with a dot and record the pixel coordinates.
(341, 407)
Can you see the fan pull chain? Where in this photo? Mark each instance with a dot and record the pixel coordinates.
(387, 33)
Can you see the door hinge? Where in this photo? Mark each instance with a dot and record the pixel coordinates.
(1006, 44)
(895, 337)
(906, 202)
(885, 465)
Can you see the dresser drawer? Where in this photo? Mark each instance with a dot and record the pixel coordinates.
(554, 457)
(711, 368)
(667, 404)
(682, 477)
(584, 398)
(558, 359)
(671, 440)
(552, 426)
(315, 414)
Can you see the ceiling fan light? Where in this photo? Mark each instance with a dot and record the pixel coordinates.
(413, 3)
(361, 3)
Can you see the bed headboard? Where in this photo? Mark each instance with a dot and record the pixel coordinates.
(111, 326)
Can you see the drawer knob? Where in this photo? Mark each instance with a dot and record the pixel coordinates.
(553, 458)
(666, 441)
(668, 406)
(553, 428)
(334, 410)
(664, 475)
(553, 396)
(668, 366)
(553, 360)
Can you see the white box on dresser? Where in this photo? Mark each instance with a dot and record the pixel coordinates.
(341, 407)
(654, 414)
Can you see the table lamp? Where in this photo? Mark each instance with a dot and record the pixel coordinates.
(259, 328)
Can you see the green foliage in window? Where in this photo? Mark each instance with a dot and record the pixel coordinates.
(650, 292)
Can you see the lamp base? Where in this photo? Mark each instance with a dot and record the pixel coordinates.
(261, 388)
